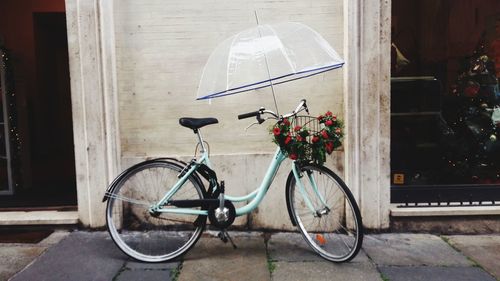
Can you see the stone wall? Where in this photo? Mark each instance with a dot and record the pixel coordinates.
(134, 72)
(161, 48)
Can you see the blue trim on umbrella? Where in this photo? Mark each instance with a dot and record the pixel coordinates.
(231, 91)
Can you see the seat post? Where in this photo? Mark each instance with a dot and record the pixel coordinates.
(200, 140)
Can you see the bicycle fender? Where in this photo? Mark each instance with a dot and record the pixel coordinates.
(289, 185)
(287, 193)
(183, 164)
(172, 161)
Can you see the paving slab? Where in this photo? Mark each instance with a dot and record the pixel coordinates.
(292, 247)
(320, 271)
(136, 265)
(135, 270)
(412, 250)
(484, 249)
(80, 256)
(211, 259)
(150, 275)
(15, 257)
(54, 238)
(432, 273)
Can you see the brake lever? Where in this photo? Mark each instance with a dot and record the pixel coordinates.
(260, 121)
(256, 123)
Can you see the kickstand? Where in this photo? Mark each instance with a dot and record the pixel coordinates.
(224, 236)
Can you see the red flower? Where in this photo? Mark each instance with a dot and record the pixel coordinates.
(293, 156)
(328, 113)
(334, 117)
(286, 122)
(329, 147)
(276, 131)
(299, 138)
(338, 130)
(329, 122)
(324, 134)
(288, 139)
(320, 117)
(297, 128)
(471, 91)
(315, 139)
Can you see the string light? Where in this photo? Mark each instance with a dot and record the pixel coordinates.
(10, 96)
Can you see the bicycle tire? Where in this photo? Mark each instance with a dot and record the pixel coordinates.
(335, 231)
(132, 227)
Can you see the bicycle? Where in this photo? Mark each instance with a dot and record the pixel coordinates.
(157, 209)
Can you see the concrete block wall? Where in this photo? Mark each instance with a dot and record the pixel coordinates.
(161, 49)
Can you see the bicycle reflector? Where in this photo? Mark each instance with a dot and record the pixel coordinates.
(321, 240)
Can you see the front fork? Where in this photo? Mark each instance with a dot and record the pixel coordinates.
(299, 175)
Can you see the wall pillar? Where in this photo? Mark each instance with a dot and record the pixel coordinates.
(367, 32)
(94, 103)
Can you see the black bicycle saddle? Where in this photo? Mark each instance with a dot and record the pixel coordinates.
(196, 123)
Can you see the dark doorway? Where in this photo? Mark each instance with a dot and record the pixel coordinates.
(46, 174)
(51, 128)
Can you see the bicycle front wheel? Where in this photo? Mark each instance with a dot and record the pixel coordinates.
(146, 236)
(326, 213)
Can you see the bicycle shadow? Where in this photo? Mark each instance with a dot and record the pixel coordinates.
(214, 248)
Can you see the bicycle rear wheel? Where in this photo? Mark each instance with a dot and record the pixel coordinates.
(152, 237)
(326, 213)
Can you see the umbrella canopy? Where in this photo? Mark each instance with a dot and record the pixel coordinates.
(263, 56)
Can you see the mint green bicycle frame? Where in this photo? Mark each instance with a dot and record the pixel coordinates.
(256, 196)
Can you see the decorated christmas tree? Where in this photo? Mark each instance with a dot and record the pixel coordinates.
(472, 148)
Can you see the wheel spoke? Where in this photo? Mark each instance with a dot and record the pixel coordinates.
(330, 233)
(152, 237)
(130, 200)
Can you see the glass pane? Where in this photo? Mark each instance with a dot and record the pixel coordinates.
(445, 97)
(4, 181)
(1, 103)
(3, 152)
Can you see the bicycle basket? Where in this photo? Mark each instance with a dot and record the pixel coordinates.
(306, 138)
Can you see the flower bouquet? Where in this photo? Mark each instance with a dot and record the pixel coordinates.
(305, 138)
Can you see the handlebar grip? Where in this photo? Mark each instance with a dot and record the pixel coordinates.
(248, 115)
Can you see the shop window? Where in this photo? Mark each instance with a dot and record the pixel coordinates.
(445, 101)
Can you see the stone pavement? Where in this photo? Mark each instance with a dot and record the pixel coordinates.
(83, 255)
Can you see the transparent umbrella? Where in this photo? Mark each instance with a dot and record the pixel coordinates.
(264, 56)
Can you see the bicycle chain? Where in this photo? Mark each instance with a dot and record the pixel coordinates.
(166, 219)
(111, 195)
(174, 220)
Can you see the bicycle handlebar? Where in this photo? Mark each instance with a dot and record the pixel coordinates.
(249, 114)
(302, 106)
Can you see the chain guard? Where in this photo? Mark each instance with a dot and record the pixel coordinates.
(231, 215)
